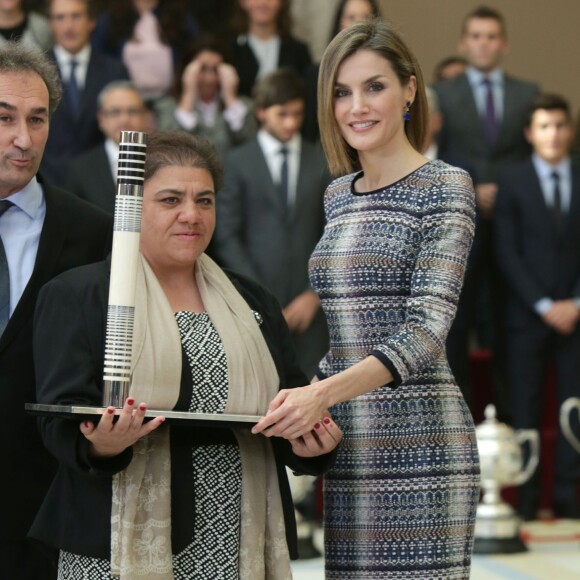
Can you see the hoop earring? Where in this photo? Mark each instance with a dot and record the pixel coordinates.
(407, 112)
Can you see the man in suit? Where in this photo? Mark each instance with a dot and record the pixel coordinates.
(83, 73)
(92, 174)
(270, 212)
(43, 231)
(484, 111)
(537, 234)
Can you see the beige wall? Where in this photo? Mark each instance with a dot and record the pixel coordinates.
(544, 37)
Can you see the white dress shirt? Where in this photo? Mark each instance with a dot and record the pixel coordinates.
(63, 59)
(271, 148)
(112, 151)
(267, 53)
(20, 229)
(476, 78)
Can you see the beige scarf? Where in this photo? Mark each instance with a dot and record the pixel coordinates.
(141, 509)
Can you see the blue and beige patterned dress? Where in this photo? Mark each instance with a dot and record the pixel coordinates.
(400, 501)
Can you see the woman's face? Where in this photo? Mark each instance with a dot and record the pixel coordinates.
(208, 79)
(369, 102)
(261, 11)
(178, 217)
(355, 11)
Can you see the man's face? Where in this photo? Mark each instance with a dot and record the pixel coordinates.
(24, 119)
(122, 110)
(282, 121)
(71, 24)
(550, 134)
(483, 43)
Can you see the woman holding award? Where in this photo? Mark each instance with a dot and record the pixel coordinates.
(141, 499)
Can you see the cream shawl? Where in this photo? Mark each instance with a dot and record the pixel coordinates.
(141, 509)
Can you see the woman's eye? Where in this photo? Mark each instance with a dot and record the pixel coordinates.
(375, 87)
(338, 93)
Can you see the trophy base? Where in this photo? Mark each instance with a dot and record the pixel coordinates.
(499, 546)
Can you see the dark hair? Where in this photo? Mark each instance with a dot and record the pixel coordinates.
(241, 22)
(442, 64)
(177, 148)
(548, 102)
(204, 42)
(487, 13)
(171, 14)
(91, 6)
(16, 57)
(378, 37)
(375, 12)
(278, 88)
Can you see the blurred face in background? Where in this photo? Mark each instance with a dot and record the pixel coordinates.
(71, 24)
(208, 82)
(483, 43)
(550, 134)
(122, 110)
(261, 12)
(282, 121)
(355, 11)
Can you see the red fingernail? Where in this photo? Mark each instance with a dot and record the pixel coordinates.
(326, 421)
(142, 406)
(86, 424)
(110, 411)
(317, 425)
(130, 401)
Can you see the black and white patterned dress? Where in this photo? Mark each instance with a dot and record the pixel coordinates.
(216, 471)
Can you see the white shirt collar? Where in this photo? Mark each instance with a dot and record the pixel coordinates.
(476, 77)
(545, 169)
(112, 151)
(271, 146)
(28, 199)
(63, 57)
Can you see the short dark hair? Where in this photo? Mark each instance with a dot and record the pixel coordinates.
(16, 57)
(444, 63)
(177, 148)
(548, 102)
(278, 88)
(92, 7)
(487, 13)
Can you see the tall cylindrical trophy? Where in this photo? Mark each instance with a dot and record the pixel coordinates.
(501, 460)
(124, 260)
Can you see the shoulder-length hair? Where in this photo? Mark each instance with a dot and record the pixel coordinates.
(379, 37)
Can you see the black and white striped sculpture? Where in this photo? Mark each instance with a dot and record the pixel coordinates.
(124, 259)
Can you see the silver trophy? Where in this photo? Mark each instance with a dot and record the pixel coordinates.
(502, 465)
(565, 411)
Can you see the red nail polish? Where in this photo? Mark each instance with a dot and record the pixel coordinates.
(130, 401)
(86, 424)
(317, 425)
(111, 411)
(142, 407)
(326, 421)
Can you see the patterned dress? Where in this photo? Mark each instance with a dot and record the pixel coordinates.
(400, 501)
(216, 474)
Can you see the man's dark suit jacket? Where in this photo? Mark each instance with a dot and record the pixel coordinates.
(89, 177)
(535, 263)
(463, 129)
(70, 135)
(74, 233)
(293, 54)
(76, 515)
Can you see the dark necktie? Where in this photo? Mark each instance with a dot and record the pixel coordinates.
(557, 205)
(284, 175)
(490, 116)
(5, 205)
(73, 89)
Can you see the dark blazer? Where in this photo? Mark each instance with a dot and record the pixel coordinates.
(69, 343)
(70, 135)
(534, 262)
(73, 233)
(257, 236)
(463, 129)
(89, 177)
(293, 54)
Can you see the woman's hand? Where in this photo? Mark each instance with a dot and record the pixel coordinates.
(109, 438)
(294, 412)
(325, 436)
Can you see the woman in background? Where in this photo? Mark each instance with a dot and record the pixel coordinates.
(400, 501)
(18, 22)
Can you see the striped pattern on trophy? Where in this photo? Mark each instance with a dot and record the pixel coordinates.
(124, 259)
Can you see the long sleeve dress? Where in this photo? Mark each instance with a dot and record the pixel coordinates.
(400, 501)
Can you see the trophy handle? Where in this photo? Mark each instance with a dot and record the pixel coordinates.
(533, 437)
(567, 407)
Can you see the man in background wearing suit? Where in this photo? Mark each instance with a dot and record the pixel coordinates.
(537, 233)
(83, 73)
(43, 231)
(484, 112)
(92, 174)
(270, 213)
